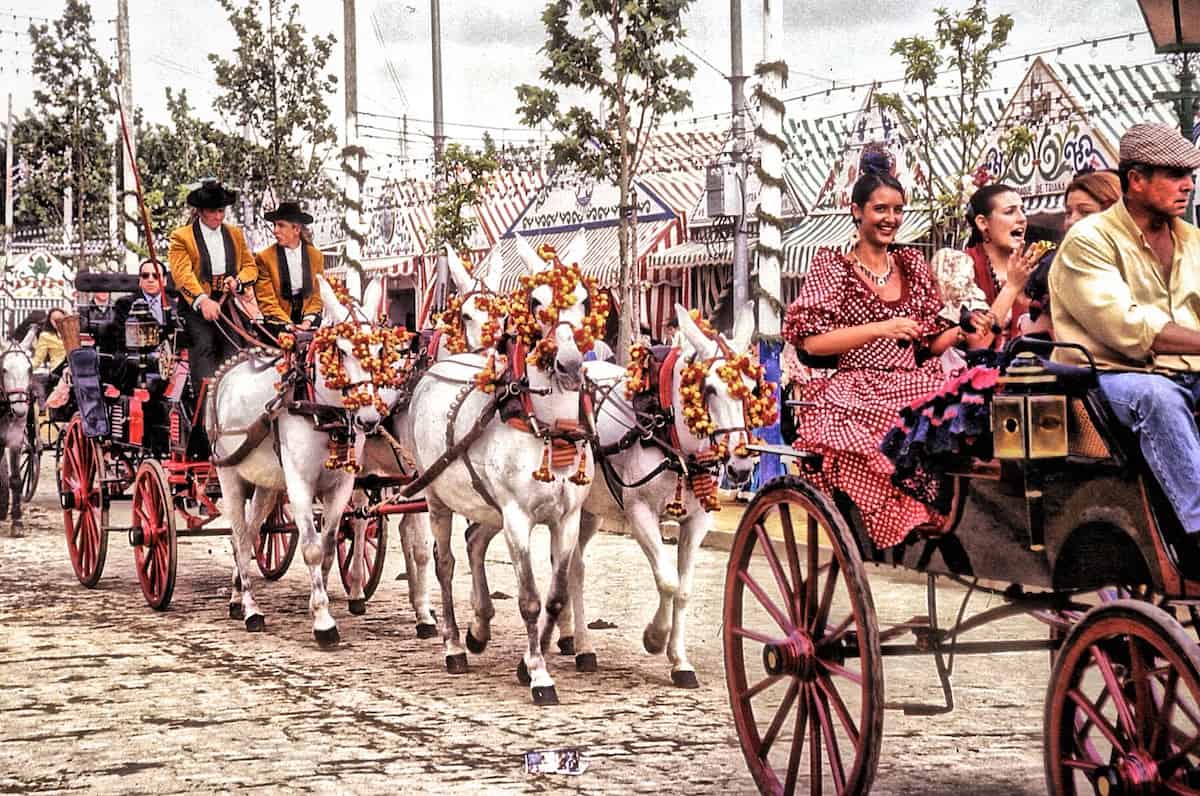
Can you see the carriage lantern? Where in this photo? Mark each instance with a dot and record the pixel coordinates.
(1029, 416)
(141, 329)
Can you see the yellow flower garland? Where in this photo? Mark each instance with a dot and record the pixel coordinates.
(563, 280)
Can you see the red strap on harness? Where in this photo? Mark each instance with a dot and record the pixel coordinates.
(665, 372)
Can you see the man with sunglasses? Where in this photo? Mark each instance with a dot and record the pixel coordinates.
(1126, 286)
(152, 291)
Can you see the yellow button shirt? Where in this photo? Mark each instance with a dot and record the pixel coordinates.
(1108, 292)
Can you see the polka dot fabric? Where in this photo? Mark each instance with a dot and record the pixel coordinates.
(860, 401)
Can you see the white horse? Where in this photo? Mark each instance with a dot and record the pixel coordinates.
(492, 481)
(16, 378)
(292, 454)
(643, 461)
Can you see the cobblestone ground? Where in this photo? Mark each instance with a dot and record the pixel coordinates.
(98, 693)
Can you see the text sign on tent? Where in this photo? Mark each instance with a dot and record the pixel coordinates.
(38, 274)
(873, 125)
(1064, 140)
(585, 205)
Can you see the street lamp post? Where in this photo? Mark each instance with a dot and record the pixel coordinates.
(1175, 28)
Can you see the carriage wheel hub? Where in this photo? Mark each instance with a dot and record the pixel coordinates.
(795, 656)
(1129, 776)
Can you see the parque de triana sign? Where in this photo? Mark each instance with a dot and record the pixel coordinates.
(1064, 140)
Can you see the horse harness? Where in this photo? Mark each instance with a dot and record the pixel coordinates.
(7, 398)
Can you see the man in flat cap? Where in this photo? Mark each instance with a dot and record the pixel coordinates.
(286, 289)
(208, 258)
(1126, 286)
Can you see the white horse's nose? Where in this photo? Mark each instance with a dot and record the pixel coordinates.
(367, 419)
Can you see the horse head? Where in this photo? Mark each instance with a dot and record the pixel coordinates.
(16, 373)
(722, 393)
(558, 312)
(476, 317)
(358, 356)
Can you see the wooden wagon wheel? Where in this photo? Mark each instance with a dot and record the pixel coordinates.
(373, 552)
(1123, 707)
(802, 659)
(31, 458)
(277, 542)
(79, 488)
(153, 534)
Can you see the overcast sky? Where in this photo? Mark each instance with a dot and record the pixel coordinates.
(489, 47)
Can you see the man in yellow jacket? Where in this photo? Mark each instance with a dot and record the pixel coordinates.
(208, 258)
(287, 272)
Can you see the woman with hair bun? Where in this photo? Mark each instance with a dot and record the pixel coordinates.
(875, 309)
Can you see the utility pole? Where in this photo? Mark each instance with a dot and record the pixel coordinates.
(352, 156)
(439, 136)
(129, 206)
(737, 82)
(8, 187)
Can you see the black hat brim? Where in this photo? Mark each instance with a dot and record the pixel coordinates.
(295, 218)
(208, 197)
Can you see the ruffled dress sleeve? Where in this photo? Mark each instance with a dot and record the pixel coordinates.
(928, 307)
(954, 274)
(817, 309)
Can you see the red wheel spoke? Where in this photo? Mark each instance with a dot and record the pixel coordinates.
(761, 638)
(835, 635)
(1124, 714)
(1082, 765)
(765, 601)
(781, 715)
(789, 538)
(1109, 732)
(839, 706)
(814, 751)
(810, 592)
(817, 628)
(831, 744)
(759, 687)
(785, 588)
(797, 751)
(841, 671)
(1165, 711)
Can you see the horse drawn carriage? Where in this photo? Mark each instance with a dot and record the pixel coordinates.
(130, 427)
(1053, 510)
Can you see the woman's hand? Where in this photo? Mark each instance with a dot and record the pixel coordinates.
(1022, 265)
(897, 329)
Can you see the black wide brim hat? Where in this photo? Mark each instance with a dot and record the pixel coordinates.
(288, 211)
(211, 195)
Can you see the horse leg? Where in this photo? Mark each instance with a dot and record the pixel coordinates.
(235, 493)
(585, 653)
(440, 520)
(480, 631)
(357, 576)
(14, 480)
(416, 539)
(301, 499)
(5, 487)
(334, 502)
(565, 621)
(532, 668)
(567, 532)
(644, 523)
(692, 531)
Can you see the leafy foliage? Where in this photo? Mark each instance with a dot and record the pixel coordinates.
(615, 52)
(63, 137)
(461, 174)
(274, 92)
(966, 42)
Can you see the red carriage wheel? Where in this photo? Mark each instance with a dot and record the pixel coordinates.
(802, 659)
(79, 478)
(277, 542)
(153, 534)
(1123, 706)
(31, 458)
(373, 552)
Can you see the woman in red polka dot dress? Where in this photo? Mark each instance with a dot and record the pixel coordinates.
(873, 309)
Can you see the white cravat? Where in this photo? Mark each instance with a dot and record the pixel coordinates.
(295, 266)
(215, 243)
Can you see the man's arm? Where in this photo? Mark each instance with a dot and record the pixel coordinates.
(1176, 339)
(247, 271)
(180, 262)
(264, 290)
(313, 304)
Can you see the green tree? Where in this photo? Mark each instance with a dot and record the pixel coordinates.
(966, 43)
(617, 52)
(461, 175)
(274, 94)
(63, 136)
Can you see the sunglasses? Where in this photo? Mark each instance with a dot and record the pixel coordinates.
(148, 275)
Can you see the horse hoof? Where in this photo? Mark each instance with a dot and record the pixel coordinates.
(685, 678)
(523, 674)
(544, 695)
(585, 662)
(456, 664)
(255, 623)
(429, 631)
(327, 638)
(474, 645)
(566, 645)
(358, 607)
(236, 611)
(652, 645)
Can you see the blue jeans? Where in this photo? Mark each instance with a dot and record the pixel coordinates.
(1159, 409)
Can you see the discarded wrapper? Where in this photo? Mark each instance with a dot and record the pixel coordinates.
(555, 761)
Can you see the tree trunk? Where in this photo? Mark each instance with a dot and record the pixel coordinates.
(627, 215)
